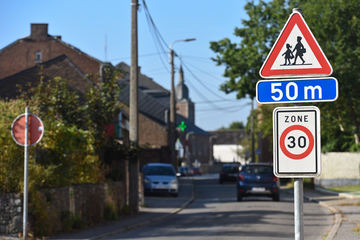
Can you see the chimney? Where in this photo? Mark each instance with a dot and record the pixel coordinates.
(39, 31)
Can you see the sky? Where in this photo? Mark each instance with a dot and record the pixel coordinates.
(93, 24)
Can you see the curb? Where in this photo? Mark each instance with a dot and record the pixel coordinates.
(343, 194)
(128, 228)
(338, 220)
(335, 211)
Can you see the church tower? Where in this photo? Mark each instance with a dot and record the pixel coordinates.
(184, 105)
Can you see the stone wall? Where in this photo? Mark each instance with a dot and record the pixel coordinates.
(87, 201)
(339, 169)
(10, 213)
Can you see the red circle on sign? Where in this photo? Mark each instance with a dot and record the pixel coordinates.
(307, 151)
(35, 131)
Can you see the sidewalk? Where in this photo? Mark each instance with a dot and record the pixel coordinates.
(155, 210)
(345, 209)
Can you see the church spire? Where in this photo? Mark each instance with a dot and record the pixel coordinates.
(181, 90)
(181, 75)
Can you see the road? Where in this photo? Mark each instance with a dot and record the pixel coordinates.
(215, 214)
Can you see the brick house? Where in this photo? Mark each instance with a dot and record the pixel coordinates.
(154, 110)
(41, 47)
(60, 66)
(19, 63)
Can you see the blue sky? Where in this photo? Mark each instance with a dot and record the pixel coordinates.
(84, 24)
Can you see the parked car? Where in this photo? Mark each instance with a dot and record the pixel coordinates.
(160, 178)
(183, 171)
(190, 171)
(257, 179)
(229, 172)
(196, 171)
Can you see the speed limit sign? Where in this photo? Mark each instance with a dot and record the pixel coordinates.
(297, 145)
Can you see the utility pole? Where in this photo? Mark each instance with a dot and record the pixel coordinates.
(172, 113)
(134, 113)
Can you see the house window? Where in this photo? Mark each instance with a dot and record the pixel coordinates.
(38, 57)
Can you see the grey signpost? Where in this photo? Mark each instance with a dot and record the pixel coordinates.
(26, 130)
(297, 56)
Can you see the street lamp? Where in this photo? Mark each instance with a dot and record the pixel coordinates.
(172, 102)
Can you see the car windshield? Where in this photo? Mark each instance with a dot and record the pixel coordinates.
(231, 169)
(258, 169)
(159, 170)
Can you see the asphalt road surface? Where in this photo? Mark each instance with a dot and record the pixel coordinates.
(215, 214)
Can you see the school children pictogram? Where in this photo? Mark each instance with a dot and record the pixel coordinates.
(300, 52)
(295, 53)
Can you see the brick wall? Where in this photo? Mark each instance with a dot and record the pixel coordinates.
(155, 155)
(150, 132)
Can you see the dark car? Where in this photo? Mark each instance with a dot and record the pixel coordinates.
(229, 172)
(257, 179)
(196, 171)
(160, 178)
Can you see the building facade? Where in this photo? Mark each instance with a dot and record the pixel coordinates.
(41, 47)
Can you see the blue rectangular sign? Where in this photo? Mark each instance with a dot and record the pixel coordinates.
(297, 90)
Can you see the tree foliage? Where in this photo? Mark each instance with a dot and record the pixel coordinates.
(75, 143)
(234, 126)
(243, 60)
(335, 24)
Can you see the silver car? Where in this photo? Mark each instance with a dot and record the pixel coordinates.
(160, 178)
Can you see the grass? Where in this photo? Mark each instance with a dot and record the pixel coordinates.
(357, 229)
(355, 188)
(307, 183)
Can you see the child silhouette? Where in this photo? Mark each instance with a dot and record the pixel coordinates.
(288, 54)
(300, 50)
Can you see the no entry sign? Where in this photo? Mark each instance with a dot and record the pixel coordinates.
(297, 142)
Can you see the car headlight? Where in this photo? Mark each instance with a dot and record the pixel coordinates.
(174, 180)
(147, 181)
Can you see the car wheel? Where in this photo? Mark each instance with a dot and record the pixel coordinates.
(220, 181)
(276, 197)
(239, 197)
(174, 194)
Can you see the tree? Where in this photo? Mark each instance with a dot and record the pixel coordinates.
(76, 148)
(234, 126)
(336, 26)
(242, 61)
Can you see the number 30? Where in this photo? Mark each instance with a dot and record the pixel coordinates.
(301, 142)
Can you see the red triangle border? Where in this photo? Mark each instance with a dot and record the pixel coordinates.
(325, 70)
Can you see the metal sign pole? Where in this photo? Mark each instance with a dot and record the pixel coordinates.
(26, 158)
(298, 208)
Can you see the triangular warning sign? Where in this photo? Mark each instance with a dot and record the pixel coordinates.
(296, 53)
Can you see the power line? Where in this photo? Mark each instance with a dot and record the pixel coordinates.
(205, 72)
(159, 44)
(202, 82)
(225, 100)
(145, 55)
(157, 38)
